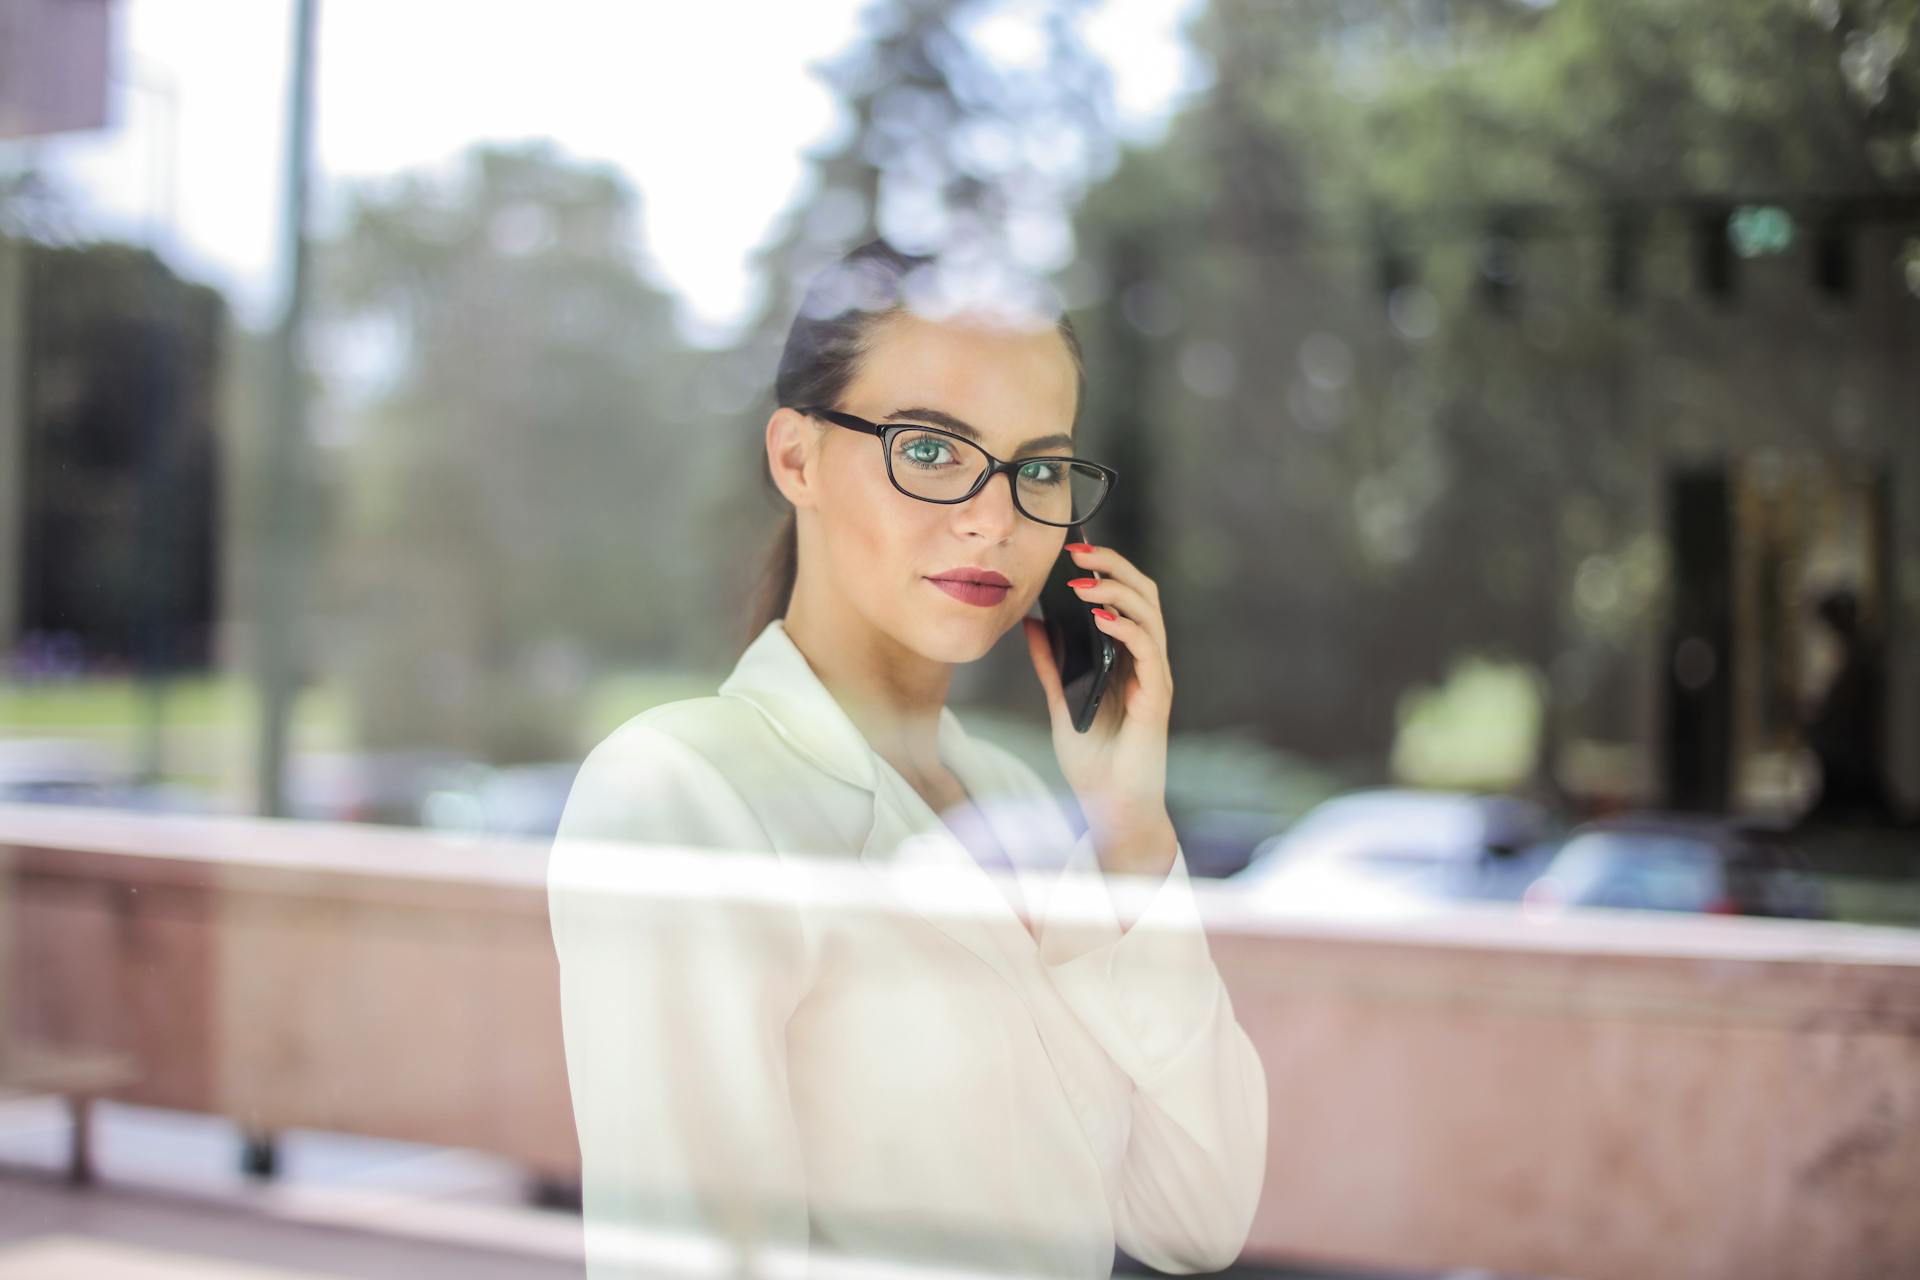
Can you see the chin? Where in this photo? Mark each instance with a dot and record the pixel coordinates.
(960, 640)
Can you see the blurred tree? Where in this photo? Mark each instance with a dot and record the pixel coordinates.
(971, 127)
(35, 206)
(515, 419)
(1878, 44)
(1400, 416)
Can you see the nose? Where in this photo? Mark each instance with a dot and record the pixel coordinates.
(991, 512)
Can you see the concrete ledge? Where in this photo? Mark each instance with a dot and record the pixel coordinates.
(1599, 1094)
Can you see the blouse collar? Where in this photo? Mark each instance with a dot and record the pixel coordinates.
(776, 677)
(919, 856)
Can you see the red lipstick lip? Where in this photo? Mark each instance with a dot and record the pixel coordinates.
(966, 573)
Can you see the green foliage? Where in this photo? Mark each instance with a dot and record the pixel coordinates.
(518, 482)
(1348, 327)
(1478, 731)
(1360, 295)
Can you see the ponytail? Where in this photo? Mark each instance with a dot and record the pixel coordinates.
(779, 567)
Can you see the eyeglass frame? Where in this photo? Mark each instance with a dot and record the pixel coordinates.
(884, 432)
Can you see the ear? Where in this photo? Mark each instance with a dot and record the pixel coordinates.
(793, 450)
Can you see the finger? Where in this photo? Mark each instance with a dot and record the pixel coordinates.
(1107, 561)
(1126, 601)
(1116, 567)
(1149, 662)
(1040, 649)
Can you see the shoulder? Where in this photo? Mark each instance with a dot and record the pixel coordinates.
(671, 774)
(699, 724)
(650, 807)
(724, 732)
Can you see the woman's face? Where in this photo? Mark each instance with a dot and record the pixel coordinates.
(883, 549)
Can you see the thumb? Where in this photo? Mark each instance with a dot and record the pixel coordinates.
(1040, 649)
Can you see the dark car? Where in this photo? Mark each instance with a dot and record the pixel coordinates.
(1680, 862)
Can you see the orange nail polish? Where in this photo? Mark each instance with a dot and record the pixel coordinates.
(1103, 613)
(1083, 582)
(1079, 546)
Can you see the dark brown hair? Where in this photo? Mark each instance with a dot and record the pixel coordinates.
(843, 305)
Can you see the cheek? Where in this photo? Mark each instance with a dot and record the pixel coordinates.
(875, 527)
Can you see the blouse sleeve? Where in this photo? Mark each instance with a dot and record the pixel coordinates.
(681, 958)
(1196, 1153)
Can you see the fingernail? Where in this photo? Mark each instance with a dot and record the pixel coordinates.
(1083, 582)
(1079, 546)
(1103, 613)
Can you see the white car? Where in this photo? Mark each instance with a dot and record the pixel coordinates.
(1393, 848)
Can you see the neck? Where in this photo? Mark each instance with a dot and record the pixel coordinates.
(890, 693)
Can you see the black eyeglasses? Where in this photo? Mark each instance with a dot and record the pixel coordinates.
(938, 466)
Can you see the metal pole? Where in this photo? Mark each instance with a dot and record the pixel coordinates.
(13, 440)
(284, 512)
(154, 627)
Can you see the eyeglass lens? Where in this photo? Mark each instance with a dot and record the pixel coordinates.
(941, 468)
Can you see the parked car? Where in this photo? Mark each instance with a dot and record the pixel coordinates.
(1680, 862)
(78, 772)
(1220, 842)
(510, 800)
(1396, 846)
(388, 787)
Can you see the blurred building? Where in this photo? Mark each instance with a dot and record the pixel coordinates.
(1778, 673)
(53, 66)
(111, 541)
(53, 78)
(107, 459)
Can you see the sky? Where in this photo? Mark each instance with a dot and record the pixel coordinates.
(191, 160)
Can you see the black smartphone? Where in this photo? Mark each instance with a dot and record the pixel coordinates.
(1083, 654)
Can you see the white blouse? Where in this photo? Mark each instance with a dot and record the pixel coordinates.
(839, 1051)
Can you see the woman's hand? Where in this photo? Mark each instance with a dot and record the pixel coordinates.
(1118, 767)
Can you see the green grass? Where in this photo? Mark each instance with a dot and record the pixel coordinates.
(207, 723)
(226, 707)
(109, 705)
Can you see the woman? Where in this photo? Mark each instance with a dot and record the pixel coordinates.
(855, 1038)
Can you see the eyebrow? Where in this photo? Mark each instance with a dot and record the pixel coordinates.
(945, 420)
